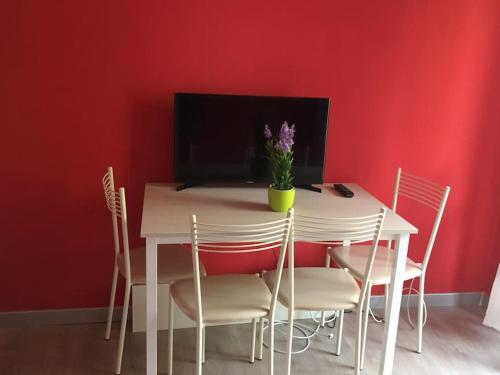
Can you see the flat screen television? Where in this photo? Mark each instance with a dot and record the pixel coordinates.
(220, 138)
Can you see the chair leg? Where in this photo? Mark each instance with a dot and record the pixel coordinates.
(261, 338)
(111, 303)
(340, 326)
(170, 354)
(199, 349)
(203, 350)
(387, 287)
(420, 322)
(327, 260)
(359, 326)
(323, 313)
(289, 342)
(123, 328)
(254, 333)
(366, 316)
(271, 345)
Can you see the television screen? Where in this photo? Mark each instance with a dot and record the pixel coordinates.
(221, 137)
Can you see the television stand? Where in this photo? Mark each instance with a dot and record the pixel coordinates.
(187, 185)
(309, 187)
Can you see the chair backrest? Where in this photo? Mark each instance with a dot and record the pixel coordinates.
(233, 239)
(424, 192)
(336, 231)
(115, 201)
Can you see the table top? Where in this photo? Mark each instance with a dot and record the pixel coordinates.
(166, 212)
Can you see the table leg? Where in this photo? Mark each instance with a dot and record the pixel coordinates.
(394, 304)
(151, 306)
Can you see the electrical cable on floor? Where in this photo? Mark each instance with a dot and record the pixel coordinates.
(307, 332)
(410, 290)
(301, 327)
(376, 318)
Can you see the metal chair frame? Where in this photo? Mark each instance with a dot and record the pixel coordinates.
(231, 239)
(337, 232)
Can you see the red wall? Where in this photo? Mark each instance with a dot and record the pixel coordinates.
(89, 84)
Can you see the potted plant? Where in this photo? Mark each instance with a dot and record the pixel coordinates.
(281, 193)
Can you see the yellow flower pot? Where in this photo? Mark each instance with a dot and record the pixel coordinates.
(280, 200)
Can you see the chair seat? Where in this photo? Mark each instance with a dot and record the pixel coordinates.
(225, 298)
(174, 263)
(318, 288)
(355, 258)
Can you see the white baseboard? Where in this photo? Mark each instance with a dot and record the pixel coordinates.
(99, 314)
(63, 316)
(437, 300)
(485, 300)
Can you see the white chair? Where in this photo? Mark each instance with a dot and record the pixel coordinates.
(326, 289)
(213, 300)
(174, 262)
(422, 191)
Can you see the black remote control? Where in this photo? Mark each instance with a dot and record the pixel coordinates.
(343, 190)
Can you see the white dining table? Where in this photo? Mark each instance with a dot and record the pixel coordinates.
(165, 220)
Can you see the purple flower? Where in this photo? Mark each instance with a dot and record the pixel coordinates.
(286, 137)
(267, 132)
